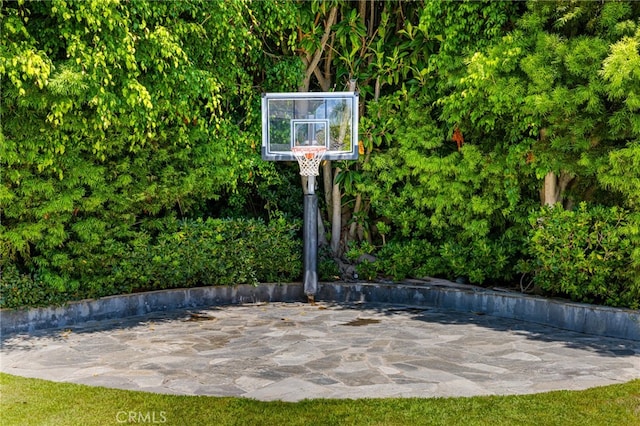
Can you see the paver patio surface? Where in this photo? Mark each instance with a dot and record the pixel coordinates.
(293, 351)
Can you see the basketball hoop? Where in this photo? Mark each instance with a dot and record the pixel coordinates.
(310, 127)
(309, 158)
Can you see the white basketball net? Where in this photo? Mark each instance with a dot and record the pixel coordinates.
(309, 158)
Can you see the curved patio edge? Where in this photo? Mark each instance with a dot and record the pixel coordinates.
(583, 318)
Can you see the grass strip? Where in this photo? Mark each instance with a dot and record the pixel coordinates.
(26, 401)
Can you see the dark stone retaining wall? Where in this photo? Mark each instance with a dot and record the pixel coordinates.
(583, 318)
(590, 319)
(28, 320)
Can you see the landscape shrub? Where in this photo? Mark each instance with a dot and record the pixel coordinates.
(221, 252)
(476, 261)
(590, 254)
(18, 289)
(482, 259)
(414, 258)
(396, 259)
(328, 268)
(187, 253)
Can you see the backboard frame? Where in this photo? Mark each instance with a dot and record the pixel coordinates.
(285, 115)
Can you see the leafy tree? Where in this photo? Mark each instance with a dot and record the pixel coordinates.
(352, 46)
(549, 88)
(116, 115)
(556, 96)
(120, 118)
(431, 178)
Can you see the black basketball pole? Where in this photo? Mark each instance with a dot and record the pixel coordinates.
(310, 236)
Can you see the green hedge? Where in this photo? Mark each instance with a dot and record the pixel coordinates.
(590, 254)
(186, 254)
(477, 261)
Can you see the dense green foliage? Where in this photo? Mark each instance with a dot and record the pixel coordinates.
(542, 108)
(119, 118)
(587, 254)
(185, 254)
(464, 197)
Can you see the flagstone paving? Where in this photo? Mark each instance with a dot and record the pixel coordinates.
(293, 351)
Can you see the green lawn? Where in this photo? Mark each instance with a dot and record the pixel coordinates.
(38, 402)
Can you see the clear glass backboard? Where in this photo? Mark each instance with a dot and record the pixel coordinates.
(328, 119)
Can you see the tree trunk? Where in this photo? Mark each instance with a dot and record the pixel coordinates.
(358, 205)
(336, 195)
(311, 62)
(554, 188)
(336, 216)
(550, 189)
(327, 180)
(312, 68)
(354, 224)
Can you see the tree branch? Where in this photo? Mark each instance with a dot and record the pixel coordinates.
(333, 13)
(324, 82)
